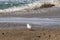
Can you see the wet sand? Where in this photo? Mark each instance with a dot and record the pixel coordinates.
(41, 13)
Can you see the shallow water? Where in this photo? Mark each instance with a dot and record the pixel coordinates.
(38, 21)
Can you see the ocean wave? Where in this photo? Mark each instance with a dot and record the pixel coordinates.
(22, 8)
(29, 6)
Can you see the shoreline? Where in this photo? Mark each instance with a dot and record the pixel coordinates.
(40, 13)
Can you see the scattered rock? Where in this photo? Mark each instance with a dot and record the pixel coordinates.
(49, 36)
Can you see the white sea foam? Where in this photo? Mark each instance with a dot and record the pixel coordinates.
(30, 6)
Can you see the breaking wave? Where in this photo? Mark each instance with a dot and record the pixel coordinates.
(18, 6)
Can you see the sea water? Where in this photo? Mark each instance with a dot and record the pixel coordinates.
(17, 5)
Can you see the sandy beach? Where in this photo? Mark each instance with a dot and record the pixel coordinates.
(29, 20)
(49, 33)
(24, 34)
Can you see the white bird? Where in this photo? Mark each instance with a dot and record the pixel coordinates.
(29, 26)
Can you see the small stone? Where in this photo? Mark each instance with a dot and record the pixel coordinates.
(38, 36)
(2, 33)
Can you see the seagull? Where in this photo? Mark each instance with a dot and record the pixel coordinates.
(29, 26)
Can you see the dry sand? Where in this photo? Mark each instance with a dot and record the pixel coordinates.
(24, 34)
